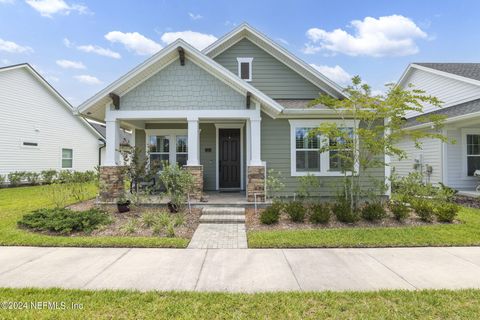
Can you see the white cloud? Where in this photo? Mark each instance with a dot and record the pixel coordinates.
(196, 39)
(337, 73)
(87, 79)
(134, 41)
(47, 8)
(12, 47)
(100, 51)
(386, 36)
(67, 43)
(69, 64)
(194, 16)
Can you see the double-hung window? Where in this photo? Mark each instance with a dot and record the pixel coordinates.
(306, 158)
(67, 158)
(167, 146)
(473, 153)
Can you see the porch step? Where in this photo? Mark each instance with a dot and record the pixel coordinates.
(222, 215)
(223, 211)
(211, 218)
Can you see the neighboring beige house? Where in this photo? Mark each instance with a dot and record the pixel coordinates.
(457, 85)
(38, 128)
(228, 114)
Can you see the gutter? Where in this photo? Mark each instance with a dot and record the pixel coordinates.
(101, 140)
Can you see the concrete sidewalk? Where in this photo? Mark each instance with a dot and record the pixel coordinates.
(240, 270)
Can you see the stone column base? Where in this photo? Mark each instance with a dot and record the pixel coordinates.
(256, 183)
(197, 173)
(111, 183)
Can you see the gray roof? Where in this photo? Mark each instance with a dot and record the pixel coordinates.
(467, 70)
(125, 137)
(298, 104)
(450, 112)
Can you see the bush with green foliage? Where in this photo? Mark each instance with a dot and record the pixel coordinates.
(399, 210)
(320, 213)
(32, 177)
(58, 194)
(296, 211)
(424, 209)
(48, 176)
(16, 178)
(2, 180)
(307, 184)
(65, 176)
(178, 183)
(64, 221)
(78, 190)
(344, 212)
(374, 211)
(271, 214)
(149, 218)
(446, 212)
(164, 221)
(130, 227)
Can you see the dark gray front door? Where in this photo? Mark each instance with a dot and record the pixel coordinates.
(229, 158)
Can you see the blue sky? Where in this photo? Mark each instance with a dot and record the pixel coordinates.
(81, 46)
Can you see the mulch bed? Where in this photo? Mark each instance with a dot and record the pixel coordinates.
(467, 201)
(120, 220)
(253, 223)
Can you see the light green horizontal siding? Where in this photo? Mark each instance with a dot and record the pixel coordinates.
(276, 153)
(268, 74)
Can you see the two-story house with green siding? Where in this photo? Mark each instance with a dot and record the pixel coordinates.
(229, 114)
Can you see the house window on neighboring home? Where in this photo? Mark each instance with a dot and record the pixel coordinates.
(245, 68)
(172, 148)
(473, 153)
(306, 157)
(67, 158)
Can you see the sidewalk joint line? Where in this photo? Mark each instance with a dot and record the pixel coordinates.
(459, 257)
(201, 269)
(28, 261)
(108, 266)
(291, 269)
(393, 271)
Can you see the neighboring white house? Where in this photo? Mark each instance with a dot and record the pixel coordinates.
(457, 85)
(38, 128)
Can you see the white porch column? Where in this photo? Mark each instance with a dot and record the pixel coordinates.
(112, 156)
(255, 142)
(193, 142)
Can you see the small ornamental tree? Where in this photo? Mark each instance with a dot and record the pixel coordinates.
(137, 166)
(369, 127)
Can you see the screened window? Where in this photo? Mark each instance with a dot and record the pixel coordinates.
(307, 150)
(245, 68)
(473, 153)
(67, 158)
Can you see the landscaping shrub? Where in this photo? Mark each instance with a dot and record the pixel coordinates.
(32, 177)
(149, 218)
(296, 211)
(424, 209)
(374, 211)
(78, 190)
(171, 230)
(48, 176)
(130, 227)
(344, 213)
(320, 213)
(58, 194)
(178, 220)
(17, 177)
(271, 214)
(64, 221)
(446, 212)
(2, 180)
(65, 176)
(399, 210)
(177, 182)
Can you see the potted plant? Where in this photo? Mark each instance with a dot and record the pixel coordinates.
(123, 204)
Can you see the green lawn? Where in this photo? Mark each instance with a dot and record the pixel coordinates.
(429, 304)
(14, 202)
(466, 233)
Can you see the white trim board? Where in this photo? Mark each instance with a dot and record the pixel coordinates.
(242, 165)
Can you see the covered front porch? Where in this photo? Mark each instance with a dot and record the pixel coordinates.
(222, 150)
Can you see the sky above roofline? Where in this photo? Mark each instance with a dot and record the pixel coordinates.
(82, 46)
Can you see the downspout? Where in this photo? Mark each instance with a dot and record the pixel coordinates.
(100, 150)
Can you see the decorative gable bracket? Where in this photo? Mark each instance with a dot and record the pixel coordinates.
(181, 54)
(115, 99)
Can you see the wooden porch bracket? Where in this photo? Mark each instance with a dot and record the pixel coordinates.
(249, 95)
(115, 99)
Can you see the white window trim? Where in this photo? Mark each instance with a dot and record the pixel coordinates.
(61, 158)
(172, 136)
(324, 156)
(241, 60)
(217, 157)
(466, 132)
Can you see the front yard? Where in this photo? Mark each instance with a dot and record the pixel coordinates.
(15, 202)
(426, 304)
(466, 232)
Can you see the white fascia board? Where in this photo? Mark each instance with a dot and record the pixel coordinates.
(113, 115)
